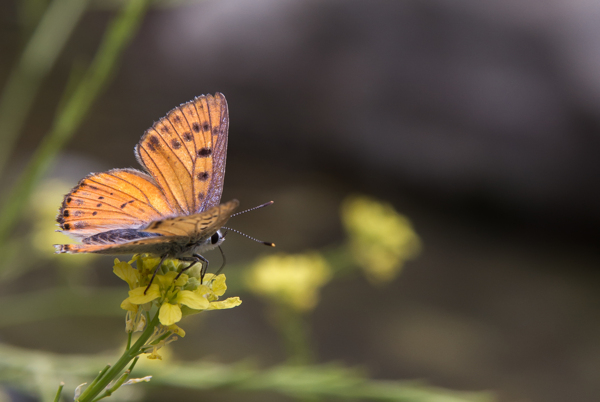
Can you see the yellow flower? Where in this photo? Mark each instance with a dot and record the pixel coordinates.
(209, 293)
(173, 293)
(294, 280)
(381, 239)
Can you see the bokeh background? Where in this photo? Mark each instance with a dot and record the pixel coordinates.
(479, 121)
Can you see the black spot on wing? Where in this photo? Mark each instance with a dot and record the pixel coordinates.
(175, 143)
(125, 204)
(204, 152)
(196, 127)
(153, 143)
(203, 176)
(187, 136)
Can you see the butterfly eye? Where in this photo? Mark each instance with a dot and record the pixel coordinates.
(214, 239)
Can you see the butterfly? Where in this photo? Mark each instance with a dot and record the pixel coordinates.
(171, 209)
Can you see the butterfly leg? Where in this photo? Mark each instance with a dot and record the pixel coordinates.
(195, 258)
(204, 267)
(155, 271)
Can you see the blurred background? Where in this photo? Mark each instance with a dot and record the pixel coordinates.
(478, 121)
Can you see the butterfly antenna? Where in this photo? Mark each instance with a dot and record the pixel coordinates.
(266, 204)
(266, 243)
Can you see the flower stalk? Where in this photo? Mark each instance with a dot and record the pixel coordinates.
(106, 377)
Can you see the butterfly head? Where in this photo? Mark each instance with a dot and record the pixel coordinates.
(212, 242)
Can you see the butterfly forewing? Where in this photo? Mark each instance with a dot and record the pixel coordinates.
(185, 153)
(220, 126)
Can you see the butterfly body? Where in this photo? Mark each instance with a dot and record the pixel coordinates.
(172, 209)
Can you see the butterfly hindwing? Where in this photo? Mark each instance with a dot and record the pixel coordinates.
(119, 198)
(159, 245)
(197, 226)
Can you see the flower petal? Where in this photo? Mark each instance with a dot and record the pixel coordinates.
(167, 279)
(128, 305)
(169, 314)
(148, 263)
(126, 272)
(137, 296)
(192, 300)
(218, 286)
(227, 303)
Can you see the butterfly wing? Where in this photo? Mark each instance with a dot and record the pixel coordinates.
(197, 226)
(185, 153)
(119, 198)
(160, 237)
(159, 245)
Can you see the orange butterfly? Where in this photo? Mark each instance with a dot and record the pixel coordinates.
(173, 210)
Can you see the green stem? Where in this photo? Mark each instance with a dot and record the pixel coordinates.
(295, 333)
(117, 384)
(69, 118)
(100, 375)
(40, 54)
(92, 391)
(59, 391)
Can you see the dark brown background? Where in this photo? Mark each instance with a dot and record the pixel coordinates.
(478, 120)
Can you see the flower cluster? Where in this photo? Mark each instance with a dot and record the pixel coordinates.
(294, 280)
(381, 239)
(175, 294)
